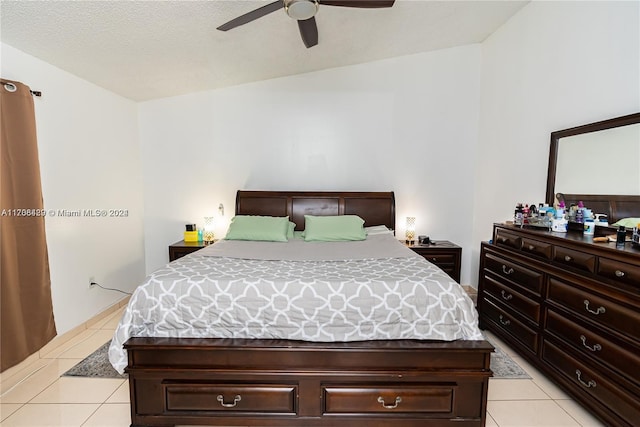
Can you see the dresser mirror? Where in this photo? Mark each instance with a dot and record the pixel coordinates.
(598, 163)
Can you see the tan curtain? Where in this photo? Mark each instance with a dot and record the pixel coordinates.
(25, 293)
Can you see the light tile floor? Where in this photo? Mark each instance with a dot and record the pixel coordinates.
(37, 396)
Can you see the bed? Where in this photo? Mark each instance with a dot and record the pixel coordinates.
(315, 375)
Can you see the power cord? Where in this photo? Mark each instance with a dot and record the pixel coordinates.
(109, 289)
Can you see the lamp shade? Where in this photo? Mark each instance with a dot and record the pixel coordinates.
(209, 227)
(410, 230)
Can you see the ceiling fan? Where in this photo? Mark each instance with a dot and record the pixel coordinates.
(303, 11)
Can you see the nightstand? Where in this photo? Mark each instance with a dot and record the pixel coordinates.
(442, 253)
(182, 248)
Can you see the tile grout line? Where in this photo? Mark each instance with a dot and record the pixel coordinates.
(31, 374)
(60, 341)
(52, 360)
(567, 412)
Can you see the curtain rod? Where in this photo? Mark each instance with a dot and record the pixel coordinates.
(12, 88)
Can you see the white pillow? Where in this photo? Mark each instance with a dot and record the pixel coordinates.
(377, 229)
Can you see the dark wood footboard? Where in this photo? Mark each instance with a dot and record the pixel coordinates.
(240, 382)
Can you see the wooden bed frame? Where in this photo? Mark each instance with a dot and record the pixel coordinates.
(243, 382)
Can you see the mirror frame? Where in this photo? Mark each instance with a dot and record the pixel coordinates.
(592, 127)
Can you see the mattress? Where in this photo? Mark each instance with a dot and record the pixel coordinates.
(375, 289)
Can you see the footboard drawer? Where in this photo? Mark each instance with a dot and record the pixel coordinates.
(230, 397)
(389, 399)
(238, 382)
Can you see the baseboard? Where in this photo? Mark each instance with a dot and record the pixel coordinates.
(22, 369)
(62, 339)
(472, 292)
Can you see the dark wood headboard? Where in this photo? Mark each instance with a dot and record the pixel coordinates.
(615, 207)
(376, 208)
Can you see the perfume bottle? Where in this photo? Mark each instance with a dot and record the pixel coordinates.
(580, 212)
(518, 215)
(621, 236)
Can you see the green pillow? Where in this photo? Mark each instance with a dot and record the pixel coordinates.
(260, 228)
(627, 222)
(291, 229)
(333, 228)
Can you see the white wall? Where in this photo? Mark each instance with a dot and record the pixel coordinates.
(89, 159)
(552, 66)
(407, 124)
(460, 134)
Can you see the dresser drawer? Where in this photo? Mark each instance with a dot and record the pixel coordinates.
(450, 270)
(509, 324)
(594, 345)
(182, 248)
(574, 259)
(620, 272)
(513, 299)
(442, 253)
(515, 273)
(389, 399)
(439, 259)
(447, 262)
(536, 248)
(230, 398)
(593, 382)
(504, 238)
(599, 310)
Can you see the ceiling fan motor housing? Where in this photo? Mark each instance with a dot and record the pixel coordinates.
(301, 9)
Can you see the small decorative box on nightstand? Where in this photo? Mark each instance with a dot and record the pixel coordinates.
(442, 253)
(182, 248)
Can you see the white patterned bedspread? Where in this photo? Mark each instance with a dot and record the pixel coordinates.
(377, 298)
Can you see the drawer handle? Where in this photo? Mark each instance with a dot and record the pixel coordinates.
(506, 296)
(434, 259)
(502, 320)
(589, 384)
(600, 309)
(394, 405)
(619, 273)
(595, 347)
(567, 258)
(503, 240)
(531, 247)
(505, 271)
(236, 399)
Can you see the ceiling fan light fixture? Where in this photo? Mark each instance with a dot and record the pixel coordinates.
(301, 9)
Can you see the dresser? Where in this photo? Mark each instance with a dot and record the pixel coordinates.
(571, 307)
(442, 253)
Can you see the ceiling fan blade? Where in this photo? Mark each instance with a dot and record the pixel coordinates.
(253, 15)
(308, 31)
(365, 4)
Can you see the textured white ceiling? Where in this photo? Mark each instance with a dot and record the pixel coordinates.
(152, 49)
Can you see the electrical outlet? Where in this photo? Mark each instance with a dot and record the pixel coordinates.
(92, 282)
